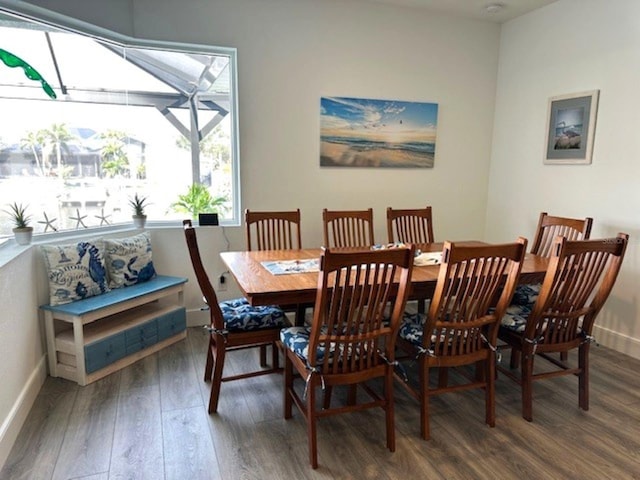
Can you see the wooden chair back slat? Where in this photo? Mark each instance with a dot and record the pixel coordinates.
(462, 317)
(549, 227)
(344, 228)
(350, 319)
(273, 230)
(580, 277)
(410, 226)
(206, 287)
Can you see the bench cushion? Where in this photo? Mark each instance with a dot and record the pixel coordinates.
(75, 271)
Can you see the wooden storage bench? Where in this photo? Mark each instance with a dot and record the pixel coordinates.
(91, 338)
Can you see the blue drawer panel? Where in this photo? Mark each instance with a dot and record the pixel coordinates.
(104, 352)
(141, 336)
(172, 323)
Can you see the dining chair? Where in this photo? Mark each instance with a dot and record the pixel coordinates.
(273, 230)
(411, 226)
(350, 342)
(348, 228)
(474, 287)
(578, 281)
(549, 227)
(234, 325)
(276, 231)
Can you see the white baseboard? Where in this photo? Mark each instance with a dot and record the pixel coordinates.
(11, 425)
(617, 341)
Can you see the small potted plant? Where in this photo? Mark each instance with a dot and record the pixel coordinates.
(22, 231)
(138, 204)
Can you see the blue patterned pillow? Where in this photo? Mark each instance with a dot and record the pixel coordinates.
(129, 260)
(75, 271)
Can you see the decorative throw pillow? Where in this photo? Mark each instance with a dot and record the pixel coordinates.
(75, 271)
(129, 260)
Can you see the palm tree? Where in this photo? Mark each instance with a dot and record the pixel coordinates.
(33, 141)
(57, 135)
(114, 158)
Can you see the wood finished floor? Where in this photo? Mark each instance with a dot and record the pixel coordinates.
(149, 421)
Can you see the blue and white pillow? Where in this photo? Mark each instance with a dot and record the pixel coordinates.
(129, 260)
(75, 271)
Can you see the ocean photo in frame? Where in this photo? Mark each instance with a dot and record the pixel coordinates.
(357, 132)
(571, 122)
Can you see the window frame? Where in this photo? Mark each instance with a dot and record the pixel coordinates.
(40, 15)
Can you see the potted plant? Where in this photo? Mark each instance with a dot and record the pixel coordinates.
(22, 231)
(138, 204)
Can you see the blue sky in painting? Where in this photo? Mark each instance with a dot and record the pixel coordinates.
(388, 120)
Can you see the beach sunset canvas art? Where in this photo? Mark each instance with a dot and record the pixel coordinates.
(356, 132)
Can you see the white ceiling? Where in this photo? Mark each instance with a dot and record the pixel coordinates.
(474, 8)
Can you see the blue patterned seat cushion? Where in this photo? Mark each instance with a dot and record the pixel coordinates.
(239, 315)
(515, 317)
(412, 328)
(526, 294)
(296, 339)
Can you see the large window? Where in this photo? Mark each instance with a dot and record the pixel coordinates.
(157, 122)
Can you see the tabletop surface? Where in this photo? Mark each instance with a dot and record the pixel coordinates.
(261, 287)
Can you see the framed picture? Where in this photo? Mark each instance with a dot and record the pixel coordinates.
(571, 127)
(359, 132)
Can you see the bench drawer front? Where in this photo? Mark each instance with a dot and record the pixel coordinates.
(141, 336)
(172, 323)
(104, 352)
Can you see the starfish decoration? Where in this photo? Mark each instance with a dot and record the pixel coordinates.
(103, 218)
(79, 219)
(48, 223)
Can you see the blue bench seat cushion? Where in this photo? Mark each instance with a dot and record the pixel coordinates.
(129, 260)
(75, 271)
(239, 315)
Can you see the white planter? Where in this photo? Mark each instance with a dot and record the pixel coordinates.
(23, 235)
(139, 221)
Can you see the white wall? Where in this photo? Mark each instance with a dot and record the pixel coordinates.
(290, 53)
(573, 46)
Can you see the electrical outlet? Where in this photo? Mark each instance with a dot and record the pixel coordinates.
(222, 283)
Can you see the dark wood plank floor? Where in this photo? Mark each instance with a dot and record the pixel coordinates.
(149, 421)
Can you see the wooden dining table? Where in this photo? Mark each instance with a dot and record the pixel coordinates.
(262, 287)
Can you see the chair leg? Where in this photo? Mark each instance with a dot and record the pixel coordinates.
(275, 356)
(312, 424)
(390, 409)
(564, 356)
(424, 401)
(328, 391)
(515, 358)
(490, 389)
(263, 355)
(527, 385)
(301, 312)
(208, 369)
(583, 377)
(216, 381)
(288, 385)
(421, 305)
(443, 377)
(352, 394)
